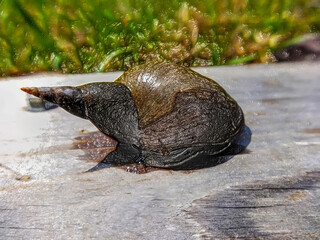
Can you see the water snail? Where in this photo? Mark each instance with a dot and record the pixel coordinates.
(162, 114)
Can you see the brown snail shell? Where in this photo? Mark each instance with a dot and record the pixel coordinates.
(162, 114)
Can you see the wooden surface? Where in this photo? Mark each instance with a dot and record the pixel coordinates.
(270, 191)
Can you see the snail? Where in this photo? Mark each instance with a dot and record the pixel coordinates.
(162, 114)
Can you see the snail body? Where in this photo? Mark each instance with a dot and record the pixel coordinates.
(161, 114)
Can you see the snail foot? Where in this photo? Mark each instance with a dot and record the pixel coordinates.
(100, 166)
(124, 154)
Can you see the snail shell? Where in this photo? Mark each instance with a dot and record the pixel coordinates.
(162, 114)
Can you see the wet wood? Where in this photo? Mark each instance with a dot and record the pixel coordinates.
(269, 191)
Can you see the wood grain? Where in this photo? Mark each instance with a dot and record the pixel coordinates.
(269, 191)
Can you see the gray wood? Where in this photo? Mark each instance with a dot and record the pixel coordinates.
(270, 191)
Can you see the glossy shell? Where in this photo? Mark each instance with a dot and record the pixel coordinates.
(161, 114)
(178, 107)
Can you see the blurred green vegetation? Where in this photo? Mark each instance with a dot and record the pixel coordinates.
(74, 36)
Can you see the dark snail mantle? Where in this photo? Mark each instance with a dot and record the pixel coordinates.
(162, 114)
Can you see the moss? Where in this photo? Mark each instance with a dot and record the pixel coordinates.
(79, 36)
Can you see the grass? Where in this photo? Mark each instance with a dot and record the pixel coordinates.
(75, 36)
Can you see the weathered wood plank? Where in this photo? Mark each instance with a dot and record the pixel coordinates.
(271, 191)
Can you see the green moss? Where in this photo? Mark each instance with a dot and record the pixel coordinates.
(89, 36)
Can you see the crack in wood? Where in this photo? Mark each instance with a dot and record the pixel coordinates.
(271, 209)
